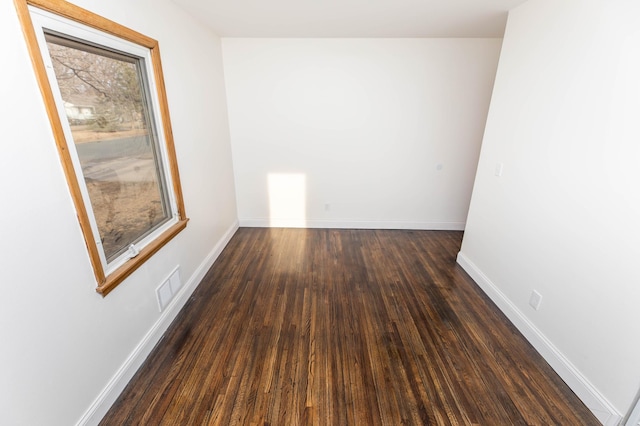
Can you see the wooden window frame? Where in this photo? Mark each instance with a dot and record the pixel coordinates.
(105, 282)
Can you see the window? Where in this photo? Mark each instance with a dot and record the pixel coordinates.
(103, 88)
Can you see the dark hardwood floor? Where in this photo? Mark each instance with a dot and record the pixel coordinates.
(343, 327)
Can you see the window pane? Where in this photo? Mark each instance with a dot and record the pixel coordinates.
(106, 104)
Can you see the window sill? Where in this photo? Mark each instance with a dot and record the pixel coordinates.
(120, 274)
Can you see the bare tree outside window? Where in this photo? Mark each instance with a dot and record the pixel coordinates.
(106, 107)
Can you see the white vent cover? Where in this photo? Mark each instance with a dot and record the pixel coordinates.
(168, 289)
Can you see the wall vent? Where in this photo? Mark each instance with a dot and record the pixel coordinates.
(168, 289)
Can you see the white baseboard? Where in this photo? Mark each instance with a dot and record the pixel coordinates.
(634, 416)
(351, 224)
(116, 385)
(579, 384)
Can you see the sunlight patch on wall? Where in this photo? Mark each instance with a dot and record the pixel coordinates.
(287, 200)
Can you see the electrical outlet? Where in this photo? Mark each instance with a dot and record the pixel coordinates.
(535, 300)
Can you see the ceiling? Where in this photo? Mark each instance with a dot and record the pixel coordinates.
(353, 18)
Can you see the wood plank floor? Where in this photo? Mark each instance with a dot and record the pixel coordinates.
(343, 327)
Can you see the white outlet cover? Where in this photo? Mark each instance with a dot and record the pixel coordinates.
(535, 300)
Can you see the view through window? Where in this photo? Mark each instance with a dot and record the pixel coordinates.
(103, 88)
(106, 107)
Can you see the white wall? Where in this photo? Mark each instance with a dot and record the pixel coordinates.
(357, 132)
(61, 344)
(563, 218)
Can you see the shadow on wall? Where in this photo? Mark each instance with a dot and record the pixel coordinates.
(287, 200)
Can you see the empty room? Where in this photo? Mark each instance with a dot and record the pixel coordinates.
(331, 213)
